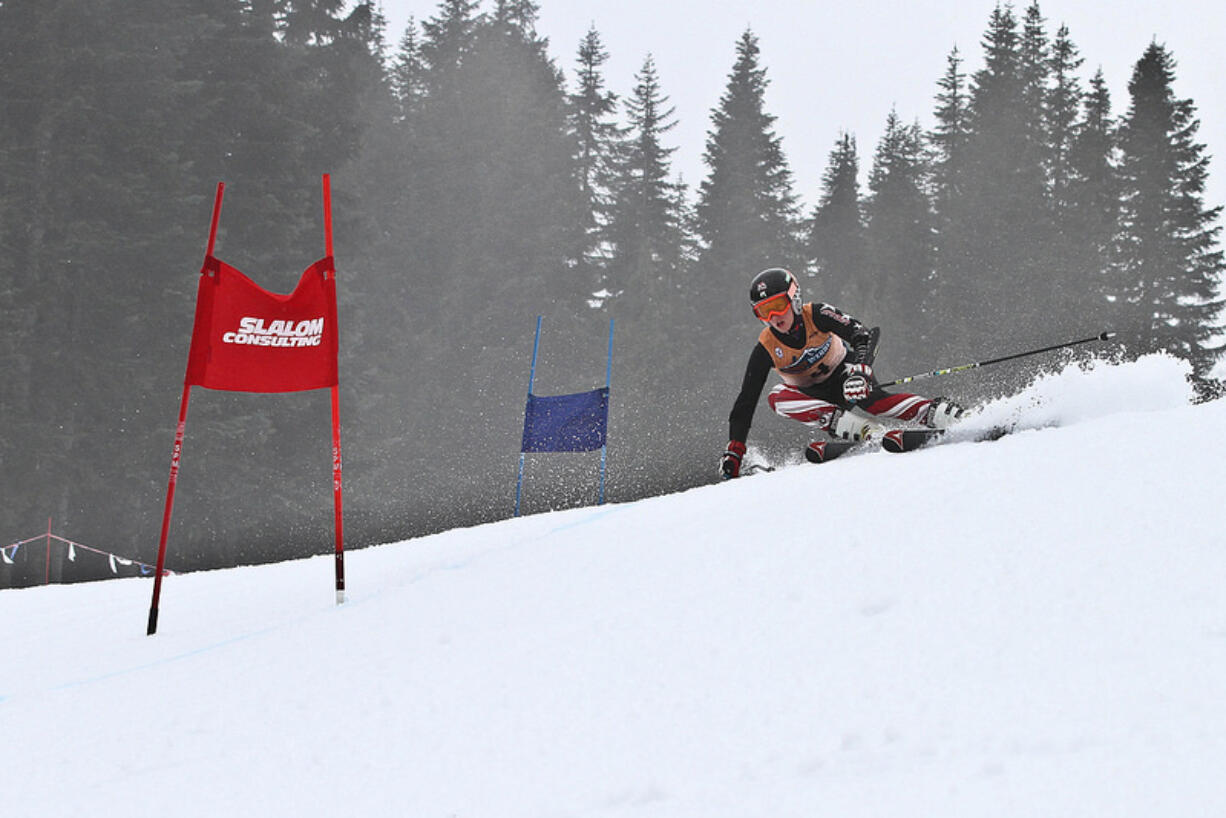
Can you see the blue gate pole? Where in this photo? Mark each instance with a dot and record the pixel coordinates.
(604, 450)
(536, 343)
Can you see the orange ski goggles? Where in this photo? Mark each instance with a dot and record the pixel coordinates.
(777, 304)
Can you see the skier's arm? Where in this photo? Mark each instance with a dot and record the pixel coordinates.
(829, 318)
(756, 370)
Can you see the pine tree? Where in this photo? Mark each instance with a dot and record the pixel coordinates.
(998, 123)
(1035, 64)
(948, 140)
(836, 235)
(1034, 70)
(518, 14)
(1074, 267)
(596, 136)
(1093, 212)
(1169, 259)
(389, 180)
(408, 74)
(388, 169)
(252, 130)
(497, 158)
(348, 84)
(306, 22)
(947, 188)
(537, 214)
(747, 213)
(442, 163)
(899, 233)
(747, 210)
(1063, 105)
(448, 38)
(645, 267)
(998, 248)
(644, 234)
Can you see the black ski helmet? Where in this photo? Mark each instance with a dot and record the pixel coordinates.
(770, 283)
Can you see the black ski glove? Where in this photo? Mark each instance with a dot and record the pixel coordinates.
(862, 348)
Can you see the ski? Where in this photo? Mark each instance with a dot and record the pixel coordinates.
(896, 441)
(821, 451)
(908, 440)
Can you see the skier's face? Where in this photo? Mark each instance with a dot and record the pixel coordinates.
(783, 321)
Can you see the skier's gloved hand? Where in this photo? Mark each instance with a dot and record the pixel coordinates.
(730, 463)
(856, 384)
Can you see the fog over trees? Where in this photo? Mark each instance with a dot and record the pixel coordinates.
(480, 181)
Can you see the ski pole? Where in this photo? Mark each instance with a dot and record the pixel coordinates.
(1102, 336)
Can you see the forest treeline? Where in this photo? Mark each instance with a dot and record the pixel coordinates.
(480, 181)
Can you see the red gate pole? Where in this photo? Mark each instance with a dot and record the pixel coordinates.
(337, 497)
(47, 572)
(177, 449)
(328, 215)
(176, 452)
(221, 187)
(336, 493)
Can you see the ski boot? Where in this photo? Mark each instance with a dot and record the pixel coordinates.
(942, 413)
(846, 426)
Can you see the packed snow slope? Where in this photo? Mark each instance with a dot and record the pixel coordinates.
(1030, 627)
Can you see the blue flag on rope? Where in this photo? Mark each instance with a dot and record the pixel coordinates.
(567, 423)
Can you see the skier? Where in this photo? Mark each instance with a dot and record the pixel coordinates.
(824, 358)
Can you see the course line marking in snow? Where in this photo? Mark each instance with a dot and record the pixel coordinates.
(167, 660)
(590, 518)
